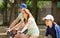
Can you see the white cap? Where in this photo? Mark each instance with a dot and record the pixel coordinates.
(49, 17)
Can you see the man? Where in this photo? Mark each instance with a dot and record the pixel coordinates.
(52, 28)
(15, 25)
(20, 17)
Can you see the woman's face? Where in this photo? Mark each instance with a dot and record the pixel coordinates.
(48, 22)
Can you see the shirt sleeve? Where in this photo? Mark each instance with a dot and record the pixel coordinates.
(20, 16)
(47, 32)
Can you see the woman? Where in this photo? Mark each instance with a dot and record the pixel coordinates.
(30, 24)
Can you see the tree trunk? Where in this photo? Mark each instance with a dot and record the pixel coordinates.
(14, 10)
(5, 13)
(35, 9)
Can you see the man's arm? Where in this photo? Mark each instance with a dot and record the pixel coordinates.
(45, 37)
(46, 33)
(14, 22)
(18, 26)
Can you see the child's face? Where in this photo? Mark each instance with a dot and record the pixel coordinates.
(48, 22)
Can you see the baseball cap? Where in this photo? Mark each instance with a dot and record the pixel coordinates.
(23, 5)
(49, 17)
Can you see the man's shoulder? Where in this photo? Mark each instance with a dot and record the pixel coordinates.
(57, 27)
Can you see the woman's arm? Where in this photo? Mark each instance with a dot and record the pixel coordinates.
(26, 26)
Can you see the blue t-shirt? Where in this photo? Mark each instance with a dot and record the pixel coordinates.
(51, 31)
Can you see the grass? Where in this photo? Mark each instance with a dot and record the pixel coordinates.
(1, 22)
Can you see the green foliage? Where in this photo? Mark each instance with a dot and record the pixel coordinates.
(29, 3)
(58, 4)
(1, 5)
(41, 4)
(8, 6)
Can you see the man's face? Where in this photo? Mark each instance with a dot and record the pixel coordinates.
(21, 9)
(48, 22)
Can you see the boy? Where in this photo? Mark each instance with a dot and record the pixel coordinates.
(52, 28)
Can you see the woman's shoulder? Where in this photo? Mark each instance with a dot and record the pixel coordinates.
(31, 18)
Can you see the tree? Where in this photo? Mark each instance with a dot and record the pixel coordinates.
(12, 7)
(5, 12)
(13, 10)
